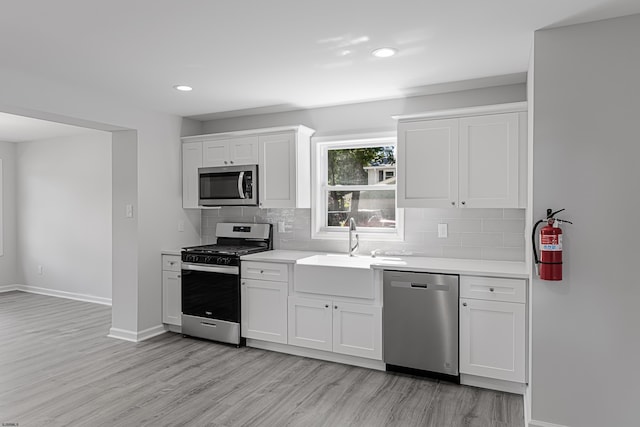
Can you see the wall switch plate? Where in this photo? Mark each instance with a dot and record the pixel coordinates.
(40, 270)
(180, 225)
(128, 211)
(281, 228)
(442, 231)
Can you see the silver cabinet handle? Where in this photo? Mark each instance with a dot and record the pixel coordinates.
(179, 276)
(326, 306)
(231, 162)
(490, 289)
(244, 283)
(453, 203)
(261, 271)
(464, 203)
(464, 304)
(335, 306)
(225, 162)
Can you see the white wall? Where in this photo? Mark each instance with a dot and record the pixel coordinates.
(158, 207)
(585, 336)
(373, 116)
(64, 207)
(8, 259)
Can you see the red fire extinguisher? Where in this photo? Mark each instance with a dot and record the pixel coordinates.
(549, 265)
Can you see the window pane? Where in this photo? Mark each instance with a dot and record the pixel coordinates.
(369, 208)
(361, 166)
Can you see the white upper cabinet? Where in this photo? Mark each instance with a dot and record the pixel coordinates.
(285, 169)
(191, 161)
(488, 161)
(230, 152)
(283, 156)
(428, 164)
(469, 159)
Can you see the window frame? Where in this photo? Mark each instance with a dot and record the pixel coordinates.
(320, 188)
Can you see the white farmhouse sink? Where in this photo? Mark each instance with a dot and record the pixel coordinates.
(338, 274)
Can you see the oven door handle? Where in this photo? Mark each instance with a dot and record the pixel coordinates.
(241, 185)
(211, 268)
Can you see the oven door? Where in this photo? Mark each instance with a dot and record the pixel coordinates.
(211, 292)
(228, 186)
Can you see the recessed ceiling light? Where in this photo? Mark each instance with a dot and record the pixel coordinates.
(183, 88)
(384, 52)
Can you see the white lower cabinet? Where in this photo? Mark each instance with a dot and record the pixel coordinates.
(171, 290)
(345, 328)
(492, 332)
(264, 310)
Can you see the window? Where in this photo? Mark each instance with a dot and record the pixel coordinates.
(356, 179)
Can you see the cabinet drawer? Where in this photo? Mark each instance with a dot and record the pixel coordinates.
(171, 262)
(493, 289)
(265, 271)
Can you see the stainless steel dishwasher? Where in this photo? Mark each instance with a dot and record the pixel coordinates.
(420, 323)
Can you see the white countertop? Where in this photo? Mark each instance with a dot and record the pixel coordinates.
(278, 255)
(170, 252)
(409, 263)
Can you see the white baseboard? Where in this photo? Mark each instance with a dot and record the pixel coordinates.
(8, 288)
(56, 293)
(536, 423)
(527, 405)
(123, 334)
(317, 354)
(151, 332)
(133, 336)
(493, 384)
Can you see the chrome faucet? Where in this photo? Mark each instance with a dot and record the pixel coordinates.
(352, 228)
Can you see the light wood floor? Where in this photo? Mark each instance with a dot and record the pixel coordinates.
(59, 368)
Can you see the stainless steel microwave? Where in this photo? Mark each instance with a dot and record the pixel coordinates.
(228, 186)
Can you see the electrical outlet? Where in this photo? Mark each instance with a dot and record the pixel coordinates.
(128, 211)
(281, 228)
(40, 270)
(180, 225)
(442, 231)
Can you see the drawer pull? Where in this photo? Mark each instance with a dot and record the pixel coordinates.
(464, 304)
(490, 289)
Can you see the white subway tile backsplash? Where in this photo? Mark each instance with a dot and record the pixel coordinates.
(481, 213)
(482, 239)
(503, 254)
(464, 225)
(514, 213)
(503, 225)
(514, 240)
(461, 252)
(492, 234)
(438, 213)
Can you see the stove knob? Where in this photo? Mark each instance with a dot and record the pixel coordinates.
(208, 260)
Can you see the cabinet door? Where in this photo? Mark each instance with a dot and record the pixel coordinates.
(277, 170)
(215, 153)
(264, 310)
(191, 161)
(310, 323)
(243, 151)
(428, 164)
(171, 298)
(489, 161)
(357, 330)
(492, 339)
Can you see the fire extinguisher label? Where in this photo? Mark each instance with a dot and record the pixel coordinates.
(551, 242)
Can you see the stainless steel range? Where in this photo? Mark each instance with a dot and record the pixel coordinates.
(211, 281)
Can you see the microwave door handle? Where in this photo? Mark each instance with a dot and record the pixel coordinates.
(241, 185)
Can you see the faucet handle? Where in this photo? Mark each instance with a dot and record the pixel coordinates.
(374, 253)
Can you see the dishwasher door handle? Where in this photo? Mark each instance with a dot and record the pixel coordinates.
(414, 285)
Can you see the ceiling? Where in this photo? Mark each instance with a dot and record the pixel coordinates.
(251, 54)
(22, 129)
